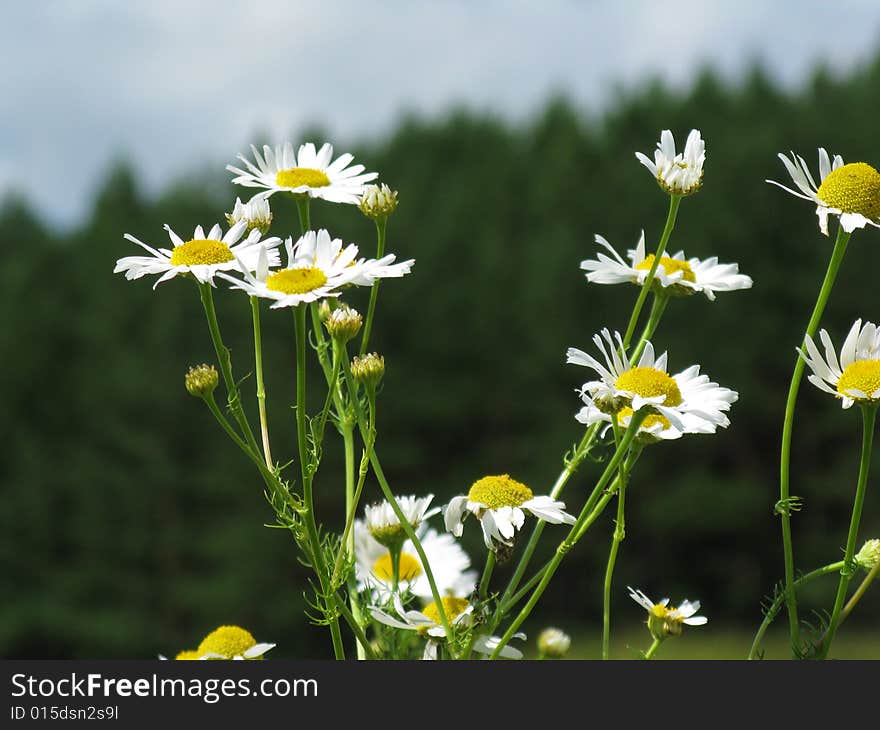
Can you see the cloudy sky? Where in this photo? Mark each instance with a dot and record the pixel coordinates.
(178, 84)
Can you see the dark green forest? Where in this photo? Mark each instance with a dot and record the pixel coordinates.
(130, 524)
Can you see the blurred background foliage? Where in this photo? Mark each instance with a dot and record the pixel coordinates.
(132, 527)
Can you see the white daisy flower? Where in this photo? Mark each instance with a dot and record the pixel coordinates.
(663, 621)
(849, 191)
(203, 255)
(674, 275)
(687, 401)
(256, 213)
(427, 622)
(500, 503)
(317, 267)
(678, 174)
(306, 172)
(231, 642)
(384, 526)
(856, 377)
(448, 562)
(554, 642)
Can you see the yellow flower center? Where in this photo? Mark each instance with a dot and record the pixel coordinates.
(296, 281)
(853, 188)
(201, 251)
(863, 375)
(670, 266)
(228, 641)
(652, 419)
(187, 655)
(649, 383)
(660, 611)
(410, 567)
(452, 607)
(499, 491)
(297, 177)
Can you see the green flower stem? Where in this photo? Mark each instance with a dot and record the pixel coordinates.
(365, 651)
(657, 309)
(368, 435)
(521, 593)
(302, 208)
(774, 607)
(617, 538)
(381, 224)
(223, 357)
(674, 201)
(869, 417)
(347, 540)
(299, 315)
(860, 591)
(487, 576)
(261, 389)
(331, 390)
(787, 427)
(572, 537)
(265, 471)
(652, 649)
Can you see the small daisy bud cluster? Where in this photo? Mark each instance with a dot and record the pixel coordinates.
(553, 642)
(869, 555)
(256, 212)
(201, 380)
(342, 323)
(378, 201)
(368, 369)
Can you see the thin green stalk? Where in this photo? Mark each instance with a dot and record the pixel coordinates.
(674, 201)
(652, 649)
(783, 506)
(261, 389)
(381, 224)
(657, 309)
(566, 545)
(869, 417)
(302, 208)
(351, 618)
(860, 591)
(299, 315)
(487, 576)
(616, 539)
(774, 607)
(367, 436)
(347, 542)
(225, 360)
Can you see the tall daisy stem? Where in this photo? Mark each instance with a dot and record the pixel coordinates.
(487, 576)
(783, 506)
(652, 649)
(306, 469)
(616, 539)
(566, 545)
(869, 417)
(381, 224)
(657, 309)
(674, 201)
(774, 607)
(261, 389)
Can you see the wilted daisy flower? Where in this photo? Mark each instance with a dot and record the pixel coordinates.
(256, 213)
(202, 256)
(678, 174)
(383, 525)
(856, 377)
(674, 275)
(306, 172)
(317, 267)
(500, 503)
(231, 642)
(851, 191)
(427, 622)
(448, 562)
(687, 401)
(664, 622)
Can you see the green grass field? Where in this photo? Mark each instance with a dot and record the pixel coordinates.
(702, 643)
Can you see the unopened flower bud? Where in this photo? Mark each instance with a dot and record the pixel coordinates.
(553, 642)
(343, 323)
(368, 369)
(869, 555)
(201, 380)
(256, 212)
(378, 201)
